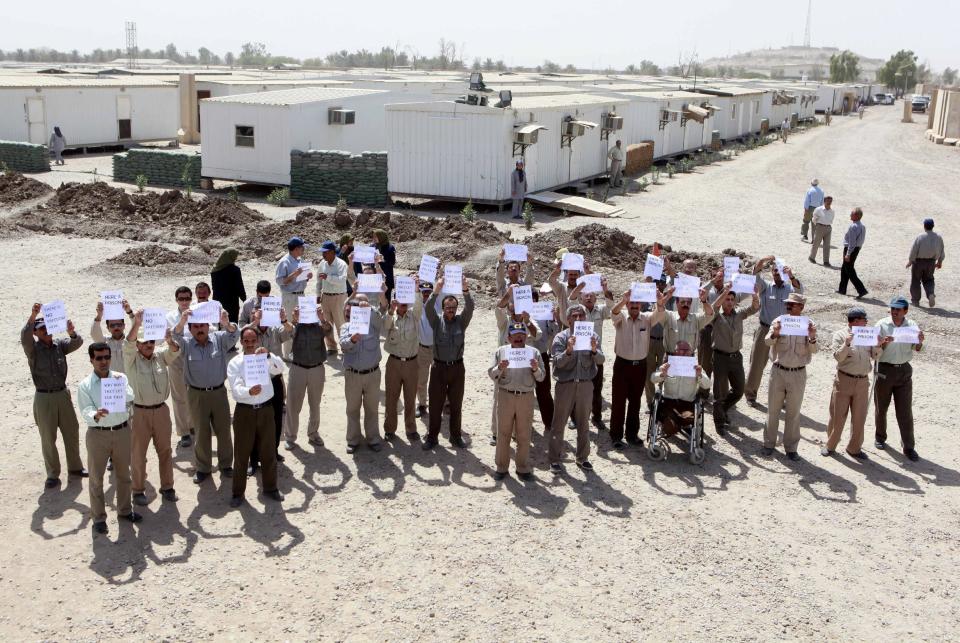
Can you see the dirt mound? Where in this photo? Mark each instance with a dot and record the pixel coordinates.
(15, 187)
(162, 260)
(611, 249)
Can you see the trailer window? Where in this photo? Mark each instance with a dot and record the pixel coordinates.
(244, 136)
(733, 112)
(756, 107)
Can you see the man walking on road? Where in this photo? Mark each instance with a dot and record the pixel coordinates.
(822, 226)
(926, 256)
(812, 201)
(852, 242)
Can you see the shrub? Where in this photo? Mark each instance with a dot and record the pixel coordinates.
(279, 196)
(341, 203)
(141, 181)
(671, 170)
(655, 174)
(468, 212)
(528, 216)
(234, 193)
(643, 183)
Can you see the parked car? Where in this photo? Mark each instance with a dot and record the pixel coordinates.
(883, 99)
(918, 104)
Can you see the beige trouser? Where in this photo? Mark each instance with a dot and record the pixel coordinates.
(849, 394)
(786, 393)
(151, 424)
(514, 414)
(807, 218)
(424, 362)
(115, 446)
(304, 382)
(401, 375)
(362, 391)
(52, 411)
(571, 397)
(178, 396)
(211, 416)
(759, 357)
(655, 356)
(333, 312)
(821, 234)
(494, 417)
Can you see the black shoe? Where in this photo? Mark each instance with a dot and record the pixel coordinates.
(493, 440)
(200, 476)
(793, 455)
(499, 475)
(911, 454)
(637, 442)
(840, 292)
(413, 437)
(274, 495)
(766, 451)
(80, 473)
(227, 472)
(50, 483)
(516, 216)
(390, 436)
(859, 456)
(140, 499)
(279, 458)
(598, 423)
(376, 447)
(752, 402)
(251, 470)
(721, 429)
(880, 445)
(351, 448)
(289, 445)
(526, 477)
(133, 516)
(109, 464)
(804, 238)
(169, 495)
(185, 442)
(619, 445)
(811, 260)
(420, 412)
(429, 443)
(100, 527)
(585, 465)
(236, 501)
(827, 264)
(556, 467)
(458, 442)
(863, 294)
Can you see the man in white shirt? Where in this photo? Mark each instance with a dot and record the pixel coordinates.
(178, 385)
(332, 290)
(822, 226)
(616, 165)
(253, 418)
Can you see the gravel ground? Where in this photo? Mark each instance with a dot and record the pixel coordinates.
(406, 545)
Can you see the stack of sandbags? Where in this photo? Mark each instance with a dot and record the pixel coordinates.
(639, 157)
(161, 167)
(25, 157)
(326, 176)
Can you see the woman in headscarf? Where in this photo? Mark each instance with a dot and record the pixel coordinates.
(58, 143)
(381, 241)
(228, 283)
(518, 189)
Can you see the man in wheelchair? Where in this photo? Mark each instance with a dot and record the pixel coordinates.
(678, 406)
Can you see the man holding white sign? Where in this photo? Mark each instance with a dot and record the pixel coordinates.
(402, 343)
(516, 369)
(115, 324)
(292, 277)
(726, 343)
(680, 389)
(308, 354)
(788, 377)
(851, 384)
(104, 398)
(631, 346)
(684, 325)
(506, 314)
(361, 377)
(178, 385)
(509, 266)
(572, 265)
(596, 314)
(895, 375)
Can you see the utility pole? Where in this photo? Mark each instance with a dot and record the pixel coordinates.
(806, 34)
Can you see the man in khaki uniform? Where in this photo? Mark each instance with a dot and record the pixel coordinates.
(788, 378)
(681, 325)
(178, 383)
(561, 291)
(308, 354)
(117, 338)
(52, 406)
(677, 409)
(851, 386)
(515, 396)
(596, 313)
(402, 343)
(332, 290)
(147, 373)
(727, 341)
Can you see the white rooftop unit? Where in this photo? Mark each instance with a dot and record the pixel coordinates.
(454, 151)
(249, 137)
(741, 109)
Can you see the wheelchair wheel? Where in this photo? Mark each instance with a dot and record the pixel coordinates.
(654, 451)
(697, 455)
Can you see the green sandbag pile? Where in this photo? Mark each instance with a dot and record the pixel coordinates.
(161, 167)
(25, 157)
(325, 176)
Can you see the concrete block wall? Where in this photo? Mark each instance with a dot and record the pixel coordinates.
(325, 176)
(161, 167)
(25, 157)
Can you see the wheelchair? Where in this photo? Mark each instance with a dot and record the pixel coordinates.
(691, 431)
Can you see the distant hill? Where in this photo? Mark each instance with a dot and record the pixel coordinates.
(792, 62)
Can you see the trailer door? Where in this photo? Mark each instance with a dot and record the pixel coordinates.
(36, 120)
(124, 127)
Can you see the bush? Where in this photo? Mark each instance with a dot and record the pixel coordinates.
(528, 216)
(671, 170)
(279, 196)
(141, 182)
(642, 184)
(655, 174)
(234, 194)
(468, 212)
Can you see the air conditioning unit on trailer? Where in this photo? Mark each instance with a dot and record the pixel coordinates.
(613, 122)
(337, 116)
(574, 129)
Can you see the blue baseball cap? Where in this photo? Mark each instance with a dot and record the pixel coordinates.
(328, 246)
(899, 302)
(295, 242)
(928, 223)
(516, 328)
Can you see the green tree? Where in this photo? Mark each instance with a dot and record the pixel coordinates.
(949, 76)
(900, 71)
(488, 64)
(631, 69)
(844, 67)
(549, 67)
(648, 68)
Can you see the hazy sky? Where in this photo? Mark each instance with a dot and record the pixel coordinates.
(522, 32)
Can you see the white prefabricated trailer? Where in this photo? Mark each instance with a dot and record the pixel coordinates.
(461, 152)
(226, 86)
(741, 109)
(89, 111)
(249, 137)
(836, 98)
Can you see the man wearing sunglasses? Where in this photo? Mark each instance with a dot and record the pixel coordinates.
(148, 375)
(117, 330)
(178, 385)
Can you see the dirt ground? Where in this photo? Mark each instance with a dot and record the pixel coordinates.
(410, 545)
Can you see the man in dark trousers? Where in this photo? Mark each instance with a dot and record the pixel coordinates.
(852, 242)
(926, 256)
(894, 380)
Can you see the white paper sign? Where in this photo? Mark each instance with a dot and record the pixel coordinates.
(154, 324)
(571, 261)
(686, 286)
(306, 268)
(681, 366)
(643, 292)
(405, 291)
(369, 283)
(744, 284)
(591, 283)
(55, 316)
(365, 254)
(453, 280)
(113, 394)
(542, 311)
(522, 299)
(792, 326)
(428, 268)
(308, 310)
(255, 370)
(865, 335)
(780, 265)
(906, 335)
(112, 301)
(515, 252)
(360, 320)
(583, 332)
(207, 312)
(270, 312)
(654, 267)
(731, 266)
(519, 357)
